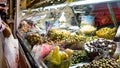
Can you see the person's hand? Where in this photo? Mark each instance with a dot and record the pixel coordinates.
(7, 30)
(5, 24)
(3, 8)
(2, 27)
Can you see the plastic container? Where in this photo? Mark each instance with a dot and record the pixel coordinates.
(87, 20)
(117, 52)
(118, 32)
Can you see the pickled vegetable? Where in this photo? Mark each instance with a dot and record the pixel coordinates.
(102, 63)
(107, 33)
(79, 56)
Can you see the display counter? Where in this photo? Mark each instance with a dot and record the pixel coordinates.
(75, 36)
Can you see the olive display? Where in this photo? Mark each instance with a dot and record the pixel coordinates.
(34, 39)
(91, 38)
(100, 47)
(74, 42)
(57, 34)
(65, 40)
(75, 38)
(79, 56)
(102, 63)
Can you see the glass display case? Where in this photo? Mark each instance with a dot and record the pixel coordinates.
(53, 35)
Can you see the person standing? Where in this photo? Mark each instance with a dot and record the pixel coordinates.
(2, 57)
(4, 32)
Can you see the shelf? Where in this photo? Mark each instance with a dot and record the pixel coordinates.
(85, 2)
(81, 3)
(91, 2)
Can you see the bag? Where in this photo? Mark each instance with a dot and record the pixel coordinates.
(35, 52)
(118, 32)
(11, 51)
(3, 63)
(41, 51)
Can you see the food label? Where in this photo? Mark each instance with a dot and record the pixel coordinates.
(87, 20)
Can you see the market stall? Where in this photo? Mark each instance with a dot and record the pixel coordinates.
(72, 35)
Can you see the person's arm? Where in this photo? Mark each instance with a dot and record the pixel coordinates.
(7, 30)
(3, 8)
(2, 27)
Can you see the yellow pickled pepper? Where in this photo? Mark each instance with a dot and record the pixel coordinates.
(56, 57)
